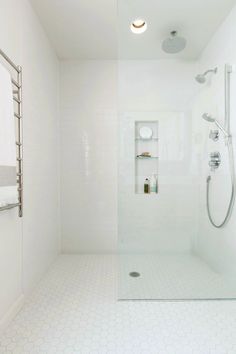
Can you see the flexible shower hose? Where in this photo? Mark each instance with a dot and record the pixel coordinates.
(232, 197)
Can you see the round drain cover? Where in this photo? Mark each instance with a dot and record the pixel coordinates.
(134, 274)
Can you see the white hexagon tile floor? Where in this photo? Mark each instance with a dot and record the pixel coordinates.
(74, 310)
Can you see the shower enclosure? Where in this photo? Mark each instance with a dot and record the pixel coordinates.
(168, 249)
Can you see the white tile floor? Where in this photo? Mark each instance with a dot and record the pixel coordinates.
(74, 310)
(172, 276)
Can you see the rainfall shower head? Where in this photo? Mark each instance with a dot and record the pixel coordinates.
(174, 44)
(201, 78)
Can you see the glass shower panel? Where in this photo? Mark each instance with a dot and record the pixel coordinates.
(161, 182)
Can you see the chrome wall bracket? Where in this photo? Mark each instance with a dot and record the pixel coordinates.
(214, 135)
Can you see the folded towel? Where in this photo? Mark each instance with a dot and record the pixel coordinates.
(8, 195)
(7, 121)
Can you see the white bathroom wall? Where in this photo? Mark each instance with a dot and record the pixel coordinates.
(89, 155)
(159, 90)
(41, 232)
(25, 255)
(216, 246)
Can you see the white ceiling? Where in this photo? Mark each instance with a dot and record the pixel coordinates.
(99, 29)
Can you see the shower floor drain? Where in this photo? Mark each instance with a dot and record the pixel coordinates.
(134, 274)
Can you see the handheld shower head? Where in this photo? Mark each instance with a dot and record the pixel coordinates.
(210, 119)
(201, 78)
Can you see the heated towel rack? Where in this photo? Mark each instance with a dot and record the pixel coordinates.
(16, 79)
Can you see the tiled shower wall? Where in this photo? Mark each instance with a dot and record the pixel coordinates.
(159, 90)
(94, 97)
(89, 156)
(216, 246)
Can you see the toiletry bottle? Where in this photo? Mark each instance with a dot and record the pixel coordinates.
(146, 186)
(153, 184)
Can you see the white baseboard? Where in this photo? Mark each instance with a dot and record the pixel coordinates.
(11, 313)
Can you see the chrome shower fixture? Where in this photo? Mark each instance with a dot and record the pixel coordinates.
(215, 160)
(210, 119)
(215, 157)
(201, 78)
(214, 135)
(174, 44)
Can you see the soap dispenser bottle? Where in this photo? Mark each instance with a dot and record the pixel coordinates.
(147, 186)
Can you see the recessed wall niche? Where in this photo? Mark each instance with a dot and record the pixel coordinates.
(146, 157)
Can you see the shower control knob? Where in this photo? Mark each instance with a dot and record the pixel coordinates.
(215, 155)
(214, 135)
(215, 160)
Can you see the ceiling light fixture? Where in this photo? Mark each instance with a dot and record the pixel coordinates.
(138, 26)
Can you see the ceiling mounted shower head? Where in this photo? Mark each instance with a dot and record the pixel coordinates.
(201, 78)
(174, 44)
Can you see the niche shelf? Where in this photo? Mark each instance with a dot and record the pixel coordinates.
(145, 166)
(144, 140)
(146, 157)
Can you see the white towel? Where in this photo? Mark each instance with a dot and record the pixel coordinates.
(8, 195)
(8, 188)
(7, 121)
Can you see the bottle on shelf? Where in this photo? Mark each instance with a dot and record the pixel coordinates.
(153, 184)
(147, 186)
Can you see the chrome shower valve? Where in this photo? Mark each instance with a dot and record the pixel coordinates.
(215, 160)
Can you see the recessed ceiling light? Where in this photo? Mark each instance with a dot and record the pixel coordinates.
(138, 26)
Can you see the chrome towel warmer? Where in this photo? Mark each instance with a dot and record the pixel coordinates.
(17, 97)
